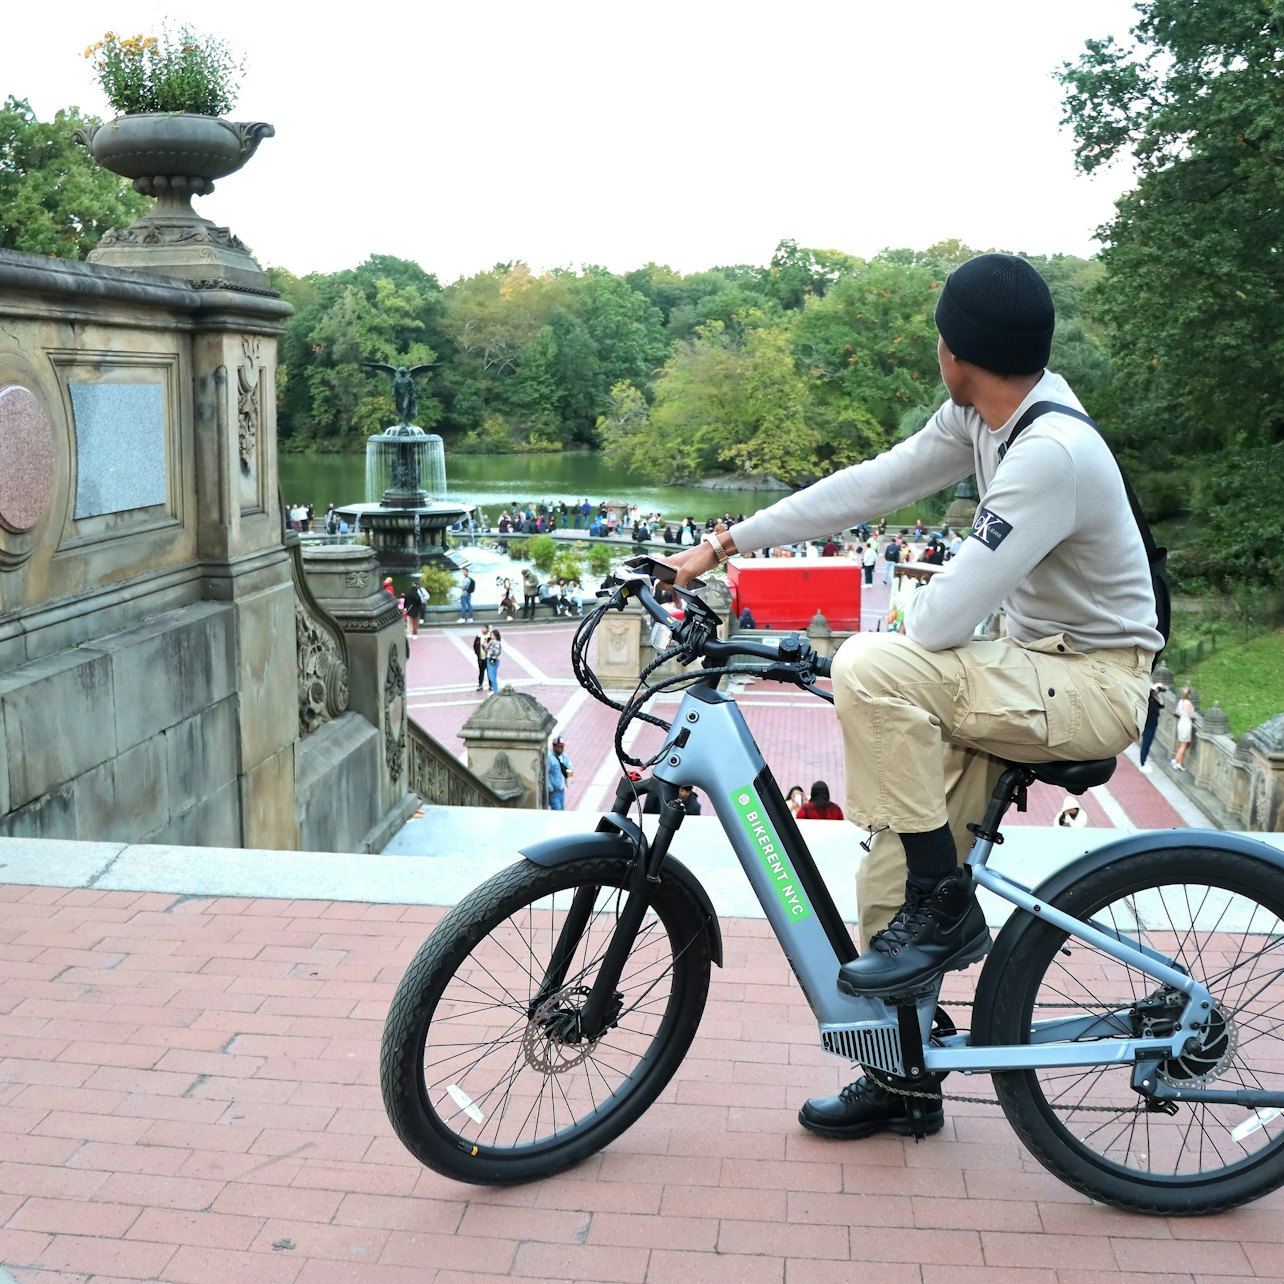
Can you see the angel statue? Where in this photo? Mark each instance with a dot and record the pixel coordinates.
(403, 387)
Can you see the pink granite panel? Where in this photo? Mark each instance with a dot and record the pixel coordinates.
(26, 459)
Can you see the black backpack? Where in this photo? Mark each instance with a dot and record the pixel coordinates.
(1157, 557)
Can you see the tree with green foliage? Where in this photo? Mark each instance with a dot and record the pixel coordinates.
(1236, 511)
(1195, 253)
(55, 199)
(536, 391)
(626, 331)
(386, 310)
(725, 403)
(870, 342)
(797, 273)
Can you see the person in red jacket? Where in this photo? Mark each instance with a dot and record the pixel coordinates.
(818, 806)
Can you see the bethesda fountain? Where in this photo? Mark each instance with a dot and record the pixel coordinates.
(406, 515)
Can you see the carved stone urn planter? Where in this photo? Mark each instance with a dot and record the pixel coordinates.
(174, 156)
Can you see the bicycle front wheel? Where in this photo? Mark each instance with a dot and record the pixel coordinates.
(1220, 916)
(485, 1076)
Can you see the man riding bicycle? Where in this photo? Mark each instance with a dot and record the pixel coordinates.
(922, 711)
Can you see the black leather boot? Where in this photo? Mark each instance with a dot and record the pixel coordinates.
(865, 1107)
(933, 932)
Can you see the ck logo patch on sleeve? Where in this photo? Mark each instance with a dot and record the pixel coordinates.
(990, 528)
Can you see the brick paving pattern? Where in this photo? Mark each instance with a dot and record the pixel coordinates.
(189, 1093)
(797, 732)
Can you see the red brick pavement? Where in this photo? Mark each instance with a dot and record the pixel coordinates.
(797, 733)
(189, 1094)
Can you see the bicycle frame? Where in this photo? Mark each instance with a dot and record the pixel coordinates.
(710, 747)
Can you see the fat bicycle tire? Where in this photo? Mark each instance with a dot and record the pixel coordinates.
(1220, 916)
(477, 1085)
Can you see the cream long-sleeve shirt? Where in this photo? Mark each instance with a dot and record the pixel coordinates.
(1054, 541)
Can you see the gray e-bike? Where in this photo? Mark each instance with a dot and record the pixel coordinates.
(1131, 1011)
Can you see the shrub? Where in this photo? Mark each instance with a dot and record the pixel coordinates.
(543, 551)
(600, 559)
(519, 550)
(438, 583)
(1237, 507)
(1162, 495)
(567, 564)
(491, 438)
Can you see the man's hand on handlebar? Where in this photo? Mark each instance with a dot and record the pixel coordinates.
(659, 569)
(691, 563)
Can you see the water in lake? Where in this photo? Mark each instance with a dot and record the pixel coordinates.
(494, 481)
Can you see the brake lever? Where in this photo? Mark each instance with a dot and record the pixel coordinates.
(807, 681)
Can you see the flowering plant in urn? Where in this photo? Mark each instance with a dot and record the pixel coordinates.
(171, 140)
(182, 72)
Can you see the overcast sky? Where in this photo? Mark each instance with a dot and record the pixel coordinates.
(695, 133)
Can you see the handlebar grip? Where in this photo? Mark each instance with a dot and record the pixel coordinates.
(823, 666)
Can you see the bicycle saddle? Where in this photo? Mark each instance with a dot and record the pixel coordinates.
(1073, 777)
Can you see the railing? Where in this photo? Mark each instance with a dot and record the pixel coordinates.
(438, 777)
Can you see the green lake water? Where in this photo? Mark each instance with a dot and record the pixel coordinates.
(494, 481)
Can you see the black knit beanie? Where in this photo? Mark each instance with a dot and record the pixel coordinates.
(996, 312)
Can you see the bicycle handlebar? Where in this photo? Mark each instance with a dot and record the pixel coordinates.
(792, 659)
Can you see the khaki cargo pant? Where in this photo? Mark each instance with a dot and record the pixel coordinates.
(923, 732)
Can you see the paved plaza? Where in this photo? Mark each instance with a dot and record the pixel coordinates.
(189, 1079)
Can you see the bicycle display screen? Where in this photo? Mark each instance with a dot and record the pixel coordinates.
(654, 569)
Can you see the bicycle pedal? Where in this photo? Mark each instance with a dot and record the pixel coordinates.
(909, 995)
(909, 998)
(916, 1118)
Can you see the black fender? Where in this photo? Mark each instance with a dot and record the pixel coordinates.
(558, 851)
(1213, 840)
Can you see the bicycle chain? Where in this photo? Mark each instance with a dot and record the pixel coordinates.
(878, 1078)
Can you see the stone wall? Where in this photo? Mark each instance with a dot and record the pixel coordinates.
(354, 789)
(147, 616)
(1238, 782)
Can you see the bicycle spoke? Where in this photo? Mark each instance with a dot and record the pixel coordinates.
(1230, 943)
(503, 1064)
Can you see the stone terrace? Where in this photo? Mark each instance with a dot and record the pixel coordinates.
(189, 1093)
(189, 1084)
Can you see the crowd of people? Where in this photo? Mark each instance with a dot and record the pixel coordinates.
(606, 520)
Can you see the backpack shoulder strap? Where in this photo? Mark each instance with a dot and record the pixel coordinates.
(1041, 408)
(1155, 555)
(1034, 412)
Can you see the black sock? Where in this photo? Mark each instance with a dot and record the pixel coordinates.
(930, 857)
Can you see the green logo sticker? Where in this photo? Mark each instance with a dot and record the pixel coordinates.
(759, 828)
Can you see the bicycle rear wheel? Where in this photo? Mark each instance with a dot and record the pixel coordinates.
(1220, 916)
(484, 1075)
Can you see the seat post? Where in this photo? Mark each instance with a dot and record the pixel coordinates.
(1009, 788)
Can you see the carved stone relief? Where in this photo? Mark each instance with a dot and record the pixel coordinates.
(158, 233)
(502, 778)
(249, 402)
(323, 676)
(394, 715)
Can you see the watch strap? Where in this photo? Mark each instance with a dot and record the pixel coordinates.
(719, 549)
